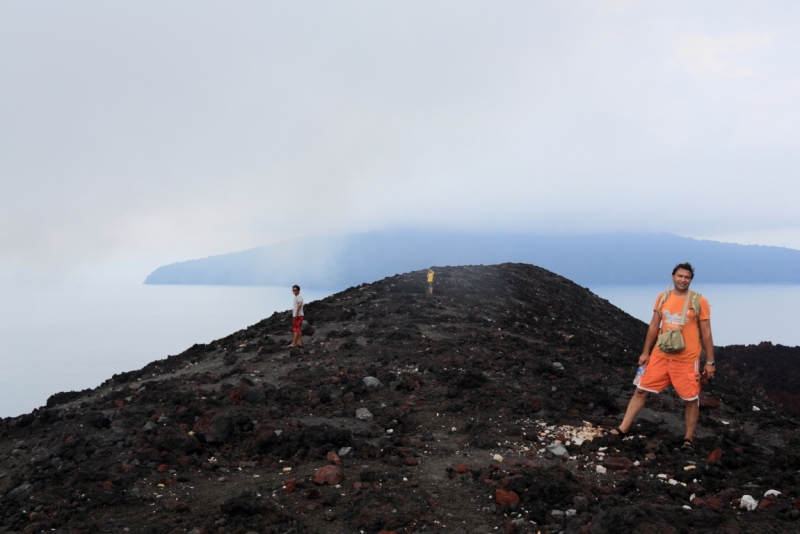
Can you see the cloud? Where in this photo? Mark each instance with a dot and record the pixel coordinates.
(721, 57)
(149, 133)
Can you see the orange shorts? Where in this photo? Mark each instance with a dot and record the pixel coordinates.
(661, 372)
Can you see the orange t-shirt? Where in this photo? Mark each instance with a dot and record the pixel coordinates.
(670, 320)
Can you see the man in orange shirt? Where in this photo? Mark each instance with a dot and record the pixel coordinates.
(682, 368)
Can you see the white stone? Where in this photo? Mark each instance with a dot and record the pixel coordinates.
(748, 503)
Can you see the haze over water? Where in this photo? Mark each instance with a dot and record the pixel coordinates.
(65, 337)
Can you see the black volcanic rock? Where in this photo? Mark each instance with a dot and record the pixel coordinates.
(483, 377)
(763, 369)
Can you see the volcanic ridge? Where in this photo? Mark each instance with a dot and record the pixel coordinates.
(483, 407)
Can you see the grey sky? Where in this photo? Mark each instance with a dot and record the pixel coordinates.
(159, 131)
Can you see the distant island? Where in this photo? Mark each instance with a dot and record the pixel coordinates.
(342, 261)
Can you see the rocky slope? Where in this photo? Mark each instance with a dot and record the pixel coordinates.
(763, 369)
(481, 408)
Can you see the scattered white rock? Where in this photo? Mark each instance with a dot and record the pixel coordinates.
(748, 503)
(756, 409)
(558, 450)
(345, 450)
(774, 493)
(600, 470)
(363, 414)
(687, 507)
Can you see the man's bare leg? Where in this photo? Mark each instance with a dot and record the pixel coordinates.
(297, 339)
(692, 414)
(634, 407)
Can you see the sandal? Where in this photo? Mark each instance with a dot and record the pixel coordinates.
(687, 445)
(617, 431)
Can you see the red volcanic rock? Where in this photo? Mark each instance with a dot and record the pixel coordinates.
(461, 469)
(411, 461)
(163, 468)
(796, 503)
(618, 464)
(715, 455)
(711, 502)
(707, 401)
(333, 458)
(769, 503)
(202, 424)
(330, 474)
(505, 497)
(289, 485)
(387, 532)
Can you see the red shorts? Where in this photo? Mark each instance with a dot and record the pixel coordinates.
(661, 372)
(297, 323)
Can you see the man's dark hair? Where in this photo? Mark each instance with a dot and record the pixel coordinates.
(686, 266)
(298, 287)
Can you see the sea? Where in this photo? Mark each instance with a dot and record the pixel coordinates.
(71, 336)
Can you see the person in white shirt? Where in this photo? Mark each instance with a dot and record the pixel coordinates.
(297, 318)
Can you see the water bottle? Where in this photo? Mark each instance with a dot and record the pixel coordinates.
(638, 377)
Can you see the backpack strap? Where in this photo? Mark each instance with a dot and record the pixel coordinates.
(664, 297)
(685, 309)
(696, 305)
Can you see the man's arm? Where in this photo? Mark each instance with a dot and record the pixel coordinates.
(708, 344)
(650, 339)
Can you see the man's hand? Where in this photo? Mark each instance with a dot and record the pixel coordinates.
(643, 358)
(709, 371)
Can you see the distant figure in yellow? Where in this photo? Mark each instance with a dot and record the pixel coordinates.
(430, 280)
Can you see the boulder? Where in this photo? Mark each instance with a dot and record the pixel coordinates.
(330, 474)
(220, 429)
(372, 382)
(619, 463)
(504, 497)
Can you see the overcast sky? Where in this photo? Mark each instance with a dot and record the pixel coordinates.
(151, 132)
